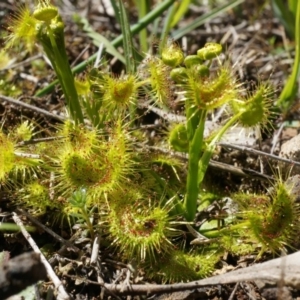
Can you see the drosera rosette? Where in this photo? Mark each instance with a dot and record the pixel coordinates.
(271, 221)
(141, 228)
(255, 109)
(209, 92)
(156, 74)
(7, 156)
(97, 162)
(179, 266)
(116, 93)
(17, 162)
(203, 91)
(35, 196)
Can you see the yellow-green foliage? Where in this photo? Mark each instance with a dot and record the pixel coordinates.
(140, 229)
(91, 160)
(179, 266)
(7, 157)
(272, 222)
(37, 197)
(97, 161)
(178, 138)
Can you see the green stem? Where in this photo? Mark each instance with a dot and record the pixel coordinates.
(192, 187)
(204, 161)
(88, 222)
(65, 76)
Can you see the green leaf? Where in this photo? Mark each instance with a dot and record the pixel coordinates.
(167, 26)
(182, 9)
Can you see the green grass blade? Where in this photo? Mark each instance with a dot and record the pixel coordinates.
(167, 26)
(143, 8)
(129, 51)
(286, 17)
(116, 9)
(293, 6)
(205, 18)
(182, 9)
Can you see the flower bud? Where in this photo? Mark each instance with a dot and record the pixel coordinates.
(201, 70)
(172, 55)
(46, 13)
(192, 60)
(179, 75)
(209, 51)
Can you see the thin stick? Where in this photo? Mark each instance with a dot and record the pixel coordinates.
(258, 152)
(276, 137)
(39, 140)
(23, 63)
(218, 165)
(80, 55)
(95, 250)
(33, 108)
(234, 291)
(45, 228)
(62, 294)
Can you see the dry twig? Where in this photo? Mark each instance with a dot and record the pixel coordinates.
(61, 293)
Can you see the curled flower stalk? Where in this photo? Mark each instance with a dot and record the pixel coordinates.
(203, 92)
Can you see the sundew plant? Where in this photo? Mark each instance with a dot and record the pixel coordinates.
(97, 168)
